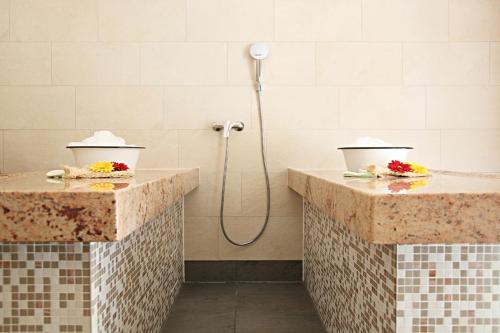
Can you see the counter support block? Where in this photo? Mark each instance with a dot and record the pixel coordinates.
(358, 286)
(123, 286)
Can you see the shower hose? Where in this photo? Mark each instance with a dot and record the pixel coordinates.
(266, 176)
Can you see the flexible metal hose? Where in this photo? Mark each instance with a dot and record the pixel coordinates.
(266, 175)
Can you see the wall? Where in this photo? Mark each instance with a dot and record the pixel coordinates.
(423, 73)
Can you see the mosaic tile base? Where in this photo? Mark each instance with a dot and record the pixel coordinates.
(135, 281)
(351, 282)
(45, 287)
(125, 286)
(362, 287)
(448, 288)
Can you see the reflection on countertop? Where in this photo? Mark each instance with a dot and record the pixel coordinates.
(439, 182)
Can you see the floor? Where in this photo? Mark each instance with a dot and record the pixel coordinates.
(243, 307)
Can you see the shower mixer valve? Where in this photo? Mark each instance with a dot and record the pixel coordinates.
(228, 126)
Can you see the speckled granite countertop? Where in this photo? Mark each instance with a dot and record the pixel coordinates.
(447, 207)
(36, 209)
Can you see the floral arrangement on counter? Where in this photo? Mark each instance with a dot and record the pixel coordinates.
(101, 169)
(108, 167)
(394, 168)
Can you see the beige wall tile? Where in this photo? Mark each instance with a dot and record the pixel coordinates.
(205, 200)
(405, 20)
(37, 107)
(426, 143)
(142, 20)
(4, 19)
(60, 20)
(474, 20)
(205, 149)
(318, 20)
(30, 150)
(463, 107)
(304, 149)
(24, 63)
(495, 63)
(119, 107)
(96, 63)
(287, 64)
(201, 238)
(184, 63)
(199, 107)
(446, 63)
(358, 63)
(230, 20)
(382, 107)
(298, 108)
(471, 150)
(201, 148)
(282, 239)
(284, 202)
(162, 147)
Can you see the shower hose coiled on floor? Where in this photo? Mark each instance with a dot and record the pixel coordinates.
(266, 176)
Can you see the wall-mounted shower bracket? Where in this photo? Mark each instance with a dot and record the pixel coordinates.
(228, 126)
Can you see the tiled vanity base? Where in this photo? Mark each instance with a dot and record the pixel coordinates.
(358, 286)
(124, 286)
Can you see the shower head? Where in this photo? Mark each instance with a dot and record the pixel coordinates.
(259, 51)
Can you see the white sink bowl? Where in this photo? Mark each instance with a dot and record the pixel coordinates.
(357, 158)
(85, 155)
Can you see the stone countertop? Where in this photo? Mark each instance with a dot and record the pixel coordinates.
(447, 207)
(36, 209)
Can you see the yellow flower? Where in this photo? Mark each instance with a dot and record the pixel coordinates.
(101, 167)
(102, 186)
(418, 168)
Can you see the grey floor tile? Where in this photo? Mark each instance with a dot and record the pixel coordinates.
(243, 308)
(273, 323)
(200, 322)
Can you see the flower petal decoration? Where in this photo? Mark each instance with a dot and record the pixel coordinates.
(101, 167)
(117, 166)
(399, 167)
(420, 169)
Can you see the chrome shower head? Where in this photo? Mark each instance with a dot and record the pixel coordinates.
(259, 52)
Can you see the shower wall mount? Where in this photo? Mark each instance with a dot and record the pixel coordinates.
(228, 126)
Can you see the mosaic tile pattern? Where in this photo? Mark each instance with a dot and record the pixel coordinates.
(135, 281)
(351, 282)
(124, 286)
(362, 287)
(45, 287)
(448, 288)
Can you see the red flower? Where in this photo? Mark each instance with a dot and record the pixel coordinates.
(119, 166)
(399, 167)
